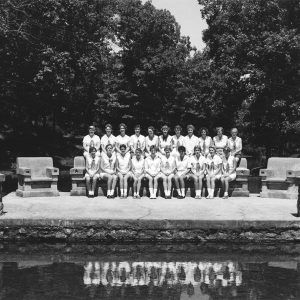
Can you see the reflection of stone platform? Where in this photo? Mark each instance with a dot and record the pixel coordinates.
(100, 219)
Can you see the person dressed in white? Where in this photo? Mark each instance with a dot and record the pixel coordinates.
(177, 140)
(123, 169)
(164, 140)
(152, 170)
(181, 172)
(91, 140)
(151, 139)
(108, 139)
(205, 141)
(190, 141)
(92, 171)
(235, 145)
(220, 141)
(137, 140)
(198, 166)
(213, 168)
(108, 170)
(228, 171)
(122, 139)
(138, 172)
(167, 171)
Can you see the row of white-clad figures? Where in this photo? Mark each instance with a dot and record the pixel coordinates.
(158, 273)
(111, 167)
(137, 140)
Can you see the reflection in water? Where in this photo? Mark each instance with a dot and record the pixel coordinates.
(149, 280)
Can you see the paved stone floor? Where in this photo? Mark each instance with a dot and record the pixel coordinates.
(66, 207)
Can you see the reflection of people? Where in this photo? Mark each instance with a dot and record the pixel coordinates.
(220, 141)
(213, 168)
(92, 169)
(228, 171)
(91, 140)
(108, 170)
(152, 170)
(235, 145)
(167, 171)
(181, 172)
(123, 169)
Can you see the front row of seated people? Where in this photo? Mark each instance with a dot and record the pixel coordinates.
(197, 168)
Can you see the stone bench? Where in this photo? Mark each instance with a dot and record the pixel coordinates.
(36, 177)
(279, 180)
(240, 185)
(77, 177)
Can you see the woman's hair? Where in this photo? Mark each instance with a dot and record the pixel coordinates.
(92, 149)
(138, 126)
(122, 146)
(152, 128)
(168, 148)
(138, 150)
(205, 129)
(165, 137)
(152, 147)
(108, 145)
(181, 148)
(212, 147)
(234, 128)
(190, 126)
(123, 125)
(219, 128)
(226, 150)
(178, 127)
(108, 126)
(197, 148)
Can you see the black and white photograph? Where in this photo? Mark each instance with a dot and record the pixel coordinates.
(149, 149)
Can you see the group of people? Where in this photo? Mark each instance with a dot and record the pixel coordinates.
(167, 157)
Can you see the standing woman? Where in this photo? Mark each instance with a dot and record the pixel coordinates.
(197, 165)
(108, 139)
(235, 145)
(181, 171)
(122, 139)
(213, 168)
(220, 141)
(167, 171)
(123, 169)
(164, 140)
(177, 140)
(152, 170)
(137, 169)
(205, 141)
(150, 140)
(228, 171)
(190, 141)
(137, 140)
(108, 170)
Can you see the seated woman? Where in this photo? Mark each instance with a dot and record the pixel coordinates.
(138, 172)
(228, 171)
(235, 145)
(190, 141)
(198, 166)
(167, 171)
(164, 140)
(123, 169)
(137, 140)
(213, 168)
(177, 140)
(220, 141)
(108, 139)
(150, 140)
(152, 170)
(205, 141)
(92, 171)
(108, 170)
(181, 172)
(122, 139)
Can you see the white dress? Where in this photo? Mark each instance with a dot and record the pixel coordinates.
(182, 165)
(149, 143)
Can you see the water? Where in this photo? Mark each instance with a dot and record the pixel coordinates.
(148, 272)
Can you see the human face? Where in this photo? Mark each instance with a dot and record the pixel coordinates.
(220, 132)
(167, 151)
(181, 153)
(153, 151)
(93, 154)
(165, 131)
(197, 152)
(109, 149)
(123, 149)
(138, 154)
(137, 131)
(177, 132)
(91, 131)
(122, 130)
(203, 133)
(150, 132)
(108, 131)
(212, 151)
(234, 133)
(190, 131)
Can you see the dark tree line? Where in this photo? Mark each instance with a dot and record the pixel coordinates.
(67, 63)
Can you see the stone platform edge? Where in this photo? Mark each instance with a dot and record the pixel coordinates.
(136, 231)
